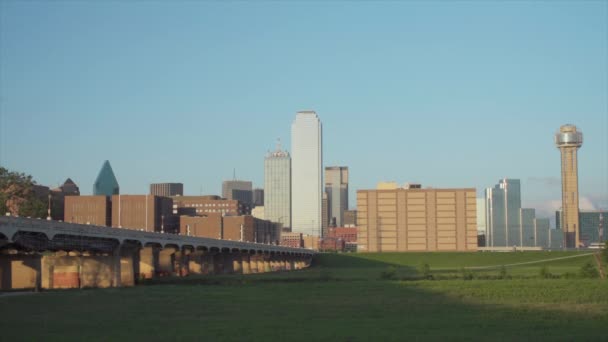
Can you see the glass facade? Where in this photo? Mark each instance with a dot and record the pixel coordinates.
(527, 216)
(277, 187)
(307, 173)
(106, 183)
(541, 232)
(336, 187)
(589, 226)
(503, 204)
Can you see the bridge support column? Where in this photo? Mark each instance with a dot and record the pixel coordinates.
(283, 263)
(208, 263)
(246, 263)
(218, 263)
(237, 263)
(253, 263)
(267, 266)
(181, 262)
(261, 264)
(148, 261)
(129, 262)
(166, 260)
(196, 263)
(20, 271)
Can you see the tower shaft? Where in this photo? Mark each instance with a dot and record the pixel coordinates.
(570, 219)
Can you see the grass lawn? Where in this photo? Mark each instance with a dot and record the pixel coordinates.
(341, 298)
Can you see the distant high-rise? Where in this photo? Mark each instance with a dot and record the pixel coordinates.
(503, 204)
(569, 140)
(258, 197)
(167, 189)
(106, 183)
(238, 190)
(307, 173)
(69, 188)
(336, 187)
(277, 187)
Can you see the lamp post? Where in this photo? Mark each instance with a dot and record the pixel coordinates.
(49, 210)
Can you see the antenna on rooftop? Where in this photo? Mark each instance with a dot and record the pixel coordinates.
(234, 174)
(278, 144)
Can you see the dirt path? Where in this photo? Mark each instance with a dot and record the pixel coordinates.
(528, 262)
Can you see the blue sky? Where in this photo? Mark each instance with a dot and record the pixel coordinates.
(447, 94)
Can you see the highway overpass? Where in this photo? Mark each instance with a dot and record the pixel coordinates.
(44, 254)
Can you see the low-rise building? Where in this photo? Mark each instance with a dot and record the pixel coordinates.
(144, 212)
(95, 210)
(200, 205)
(292, 240)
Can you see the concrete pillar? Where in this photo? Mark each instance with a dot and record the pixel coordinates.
(20, 271)
(129, 258)
(267, 267)
(246, 263)
(208, 263)
(148, 259)
(166, 257)
(116, 267)
(218, 263)
(261, 267)
(237, 263)
(181, 262)
(253, 263)
(292, 263)
(195, 263)
(282, 263)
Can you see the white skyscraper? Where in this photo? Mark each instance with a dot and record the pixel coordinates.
(307, 173)
(277, 187)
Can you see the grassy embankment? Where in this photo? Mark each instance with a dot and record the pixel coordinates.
(343, 298)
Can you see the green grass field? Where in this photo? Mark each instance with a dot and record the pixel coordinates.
(341, 298)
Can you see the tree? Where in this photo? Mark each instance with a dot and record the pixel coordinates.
(17, 195)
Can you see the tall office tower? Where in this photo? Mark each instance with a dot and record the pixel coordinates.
(307, 173)
(325, 220)
(336, 187)
(503, 204)
(569, 140)
(277, 187)
(526, 231)
(258, 197)
(238, 190)
(167, 189)
(106, 183)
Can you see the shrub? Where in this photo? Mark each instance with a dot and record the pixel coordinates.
(389, 274)
(588, 271)
(466, 274)
(425, 271)
(503, 272)
(544, 273)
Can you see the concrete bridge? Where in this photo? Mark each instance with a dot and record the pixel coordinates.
(43, 254)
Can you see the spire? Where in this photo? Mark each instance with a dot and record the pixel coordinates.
(106, 183)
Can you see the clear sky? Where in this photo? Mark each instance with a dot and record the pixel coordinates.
(447, 94)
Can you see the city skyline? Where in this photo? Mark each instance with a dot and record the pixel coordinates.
(422, 83)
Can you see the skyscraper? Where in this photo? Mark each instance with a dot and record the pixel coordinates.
(503, 204)
(569, 140)
(336, 187)
(307, 173)
(238, 190)
(277, 187)
(106, 183)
